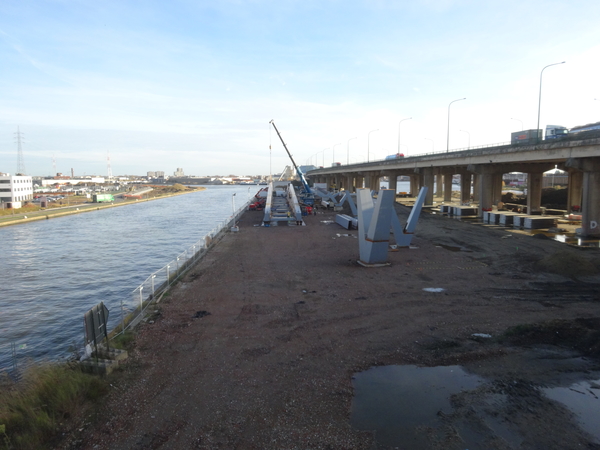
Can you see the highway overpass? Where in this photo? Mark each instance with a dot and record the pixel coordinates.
(578, 154)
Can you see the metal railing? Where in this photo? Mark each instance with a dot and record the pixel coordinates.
(133, 308)
(151, 290)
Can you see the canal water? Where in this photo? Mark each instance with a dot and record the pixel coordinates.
(53, 271)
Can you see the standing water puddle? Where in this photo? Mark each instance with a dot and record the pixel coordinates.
(582, 399)
(397, 401)
(446, 407)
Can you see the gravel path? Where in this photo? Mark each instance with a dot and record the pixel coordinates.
(293, 317)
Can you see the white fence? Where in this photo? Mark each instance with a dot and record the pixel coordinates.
(146, 294)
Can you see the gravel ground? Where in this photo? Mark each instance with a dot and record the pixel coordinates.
(292, 317)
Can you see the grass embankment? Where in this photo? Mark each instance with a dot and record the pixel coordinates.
(35, 409)
(49, 401)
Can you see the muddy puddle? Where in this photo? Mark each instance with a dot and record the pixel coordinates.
(536, 398)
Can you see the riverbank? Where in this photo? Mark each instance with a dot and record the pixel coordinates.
(257, 346)
(50, 213)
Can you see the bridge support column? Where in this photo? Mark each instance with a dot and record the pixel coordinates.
(476, 181)
(376, 180)
(369, 181)
(337, 181)
(439, 189)
(428, 180)
(590, 202)
(575, 189)
(534, 192)
(447, 187)
(349, 185)
(496, 188)
(465, 187)
(393, 181)
(359, 181)
(328, 181)
(414, 185)
(485, 190)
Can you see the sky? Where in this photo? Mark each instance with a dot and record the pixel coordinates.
(157, 85)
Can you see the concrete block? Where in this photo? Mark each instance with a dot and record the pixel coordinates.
(114, 354)
(537, 222)
(494, 217)
(507, 218)
(463, 211)
(98, 367)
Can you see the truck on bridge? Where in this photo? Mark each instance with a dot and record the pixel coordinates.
(556, 131)
(526, 137)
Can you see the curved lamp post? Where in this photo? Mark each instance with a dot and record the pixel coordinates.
(399, 132)
(540, 99)
(448, 132)
(348, 150)
(369, 141)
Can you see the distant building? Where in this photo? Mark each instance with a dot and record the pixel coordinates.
(15, 189)
(151, 174)
(179, 172)
(69, 180)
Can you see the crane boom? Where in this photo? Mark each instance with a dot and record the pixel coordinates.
(298, 171)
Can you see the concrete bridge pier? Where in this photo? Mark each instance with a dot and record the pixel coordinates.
(439, 188)
(590, 202)
(465, 187)
(496, 188)
(534, 191)
(415, 184)
(448, 187)
(476, 180)
(371, 180)
(393, 181)
(574, 189)
(377, 181)
(338, 181)
(428, 180)
(359, 182)
(349, 183)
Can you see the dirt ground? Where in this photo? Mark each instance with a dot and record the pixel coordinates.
(257, 346)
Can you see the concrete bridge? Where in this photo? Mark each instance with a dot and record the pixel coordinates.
(578, 154)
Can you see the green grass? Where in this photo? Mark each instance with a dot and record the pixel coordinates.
(32, 410)
(123, 341)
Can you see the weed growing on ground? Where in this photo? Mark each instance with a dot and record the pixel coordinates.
(32, 410)
(123, 341)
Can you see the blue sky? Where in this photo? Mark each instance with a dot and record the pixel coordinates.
(193, 84)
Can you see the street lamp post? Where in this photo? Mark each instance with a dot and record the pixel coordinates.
(519, 121)
(432, 144)
(333, 154)
(540, 99)
(369, 142)
(448, 133)
(469, 141)
(348, 151)
(399, 132)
